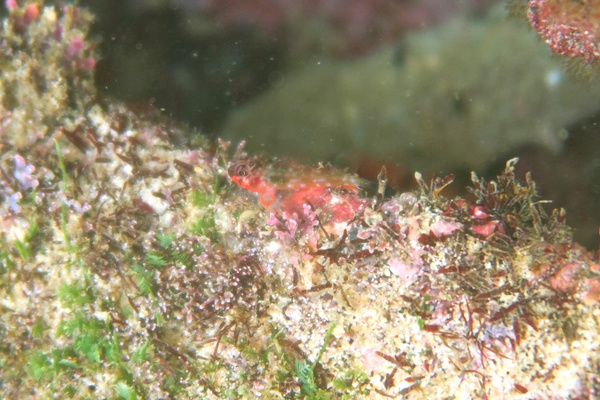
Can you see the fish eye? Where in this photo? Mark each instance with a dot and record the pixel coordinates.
(241, 170)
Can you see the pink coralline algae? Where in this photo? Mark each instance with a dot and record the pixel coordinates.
(570, 28)
(406, 271)
(76, 50)
(75, 55)
(29, 14)
(592, 295)
(24, 173)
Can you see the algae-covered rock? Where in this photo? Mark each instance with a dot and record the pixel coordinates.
(456, 96)
(47, 68)
(133, 267)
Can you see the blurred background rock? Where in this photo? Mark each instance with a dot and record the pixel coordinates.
(434, 85)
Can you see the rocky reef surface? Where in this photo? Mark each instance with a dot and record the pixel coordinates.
(131, 266)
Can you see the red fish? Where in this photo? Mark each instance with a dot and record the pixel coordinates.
(289, 187)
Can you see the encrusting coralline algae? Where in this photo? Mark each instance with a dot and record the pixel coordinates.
(134, 268)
